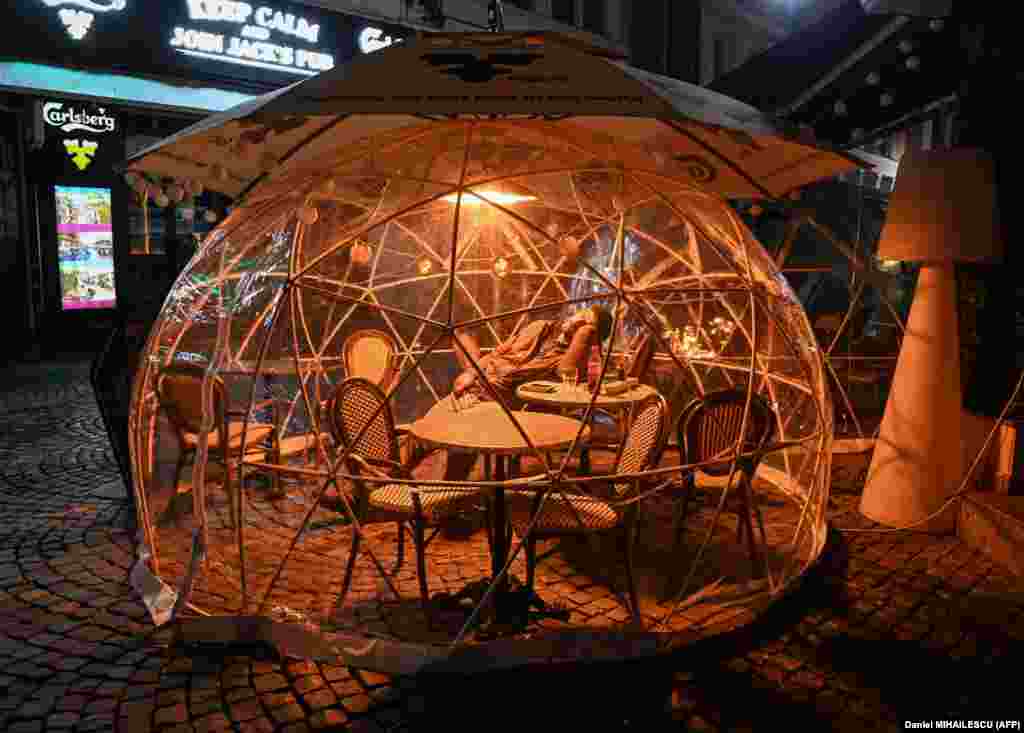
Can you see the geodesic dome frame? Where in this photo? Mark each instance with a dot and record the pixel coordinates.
(463, 227)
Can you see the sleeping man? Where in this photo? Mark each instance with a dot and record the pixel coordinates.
(540, 350)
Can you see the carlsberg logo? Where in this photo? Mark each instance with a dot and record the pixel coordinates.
(70, 119)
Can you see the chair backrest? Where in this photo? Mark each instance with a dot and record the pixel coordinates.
(645, 440)
(356, 403)
(179, 389)
(372, 355)
(709, 429)
(642, 353)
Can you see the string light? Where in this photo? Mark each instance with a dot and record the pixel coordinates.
(501, 267)
(424, 265)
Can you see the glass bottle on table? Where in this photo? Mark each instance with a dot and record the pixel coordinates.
(568, 376)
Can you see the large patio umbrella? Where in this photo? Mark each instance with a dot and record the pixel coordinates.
(728, 147)
(465, 185)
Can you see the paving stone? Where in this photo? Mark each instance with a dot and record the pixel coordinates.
(77, 651)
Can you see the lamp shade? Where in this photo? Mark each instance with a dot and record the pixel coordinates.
(943, 209)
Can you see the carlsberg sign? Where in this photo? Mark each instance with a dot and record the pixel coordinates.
(68, 118)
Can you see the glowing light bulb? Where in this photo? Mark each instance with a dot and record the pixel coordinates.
(501, 267)
(478, 198)
(424, 266)
(360, 254)
(873, 78)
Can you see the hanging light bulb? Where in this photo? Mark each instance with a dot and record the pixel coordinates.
(839, 108)
(873, 78)
(308, 214)
(501, 267)
(424, 265)
(569, 246)
(886, 99)
(936, 24)
(906, 45)
(360, 254)
(913, 63)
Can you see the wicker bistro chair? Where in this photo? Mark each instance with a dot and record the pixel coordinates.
(375, 451)
(580, 514)
(709, 430)
(372, 355)
(179, 391)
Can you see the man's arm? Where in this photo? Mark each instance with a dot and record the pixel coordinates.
(579, 349)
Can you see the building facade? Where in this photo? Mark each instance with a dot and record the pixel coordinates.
(83, 85)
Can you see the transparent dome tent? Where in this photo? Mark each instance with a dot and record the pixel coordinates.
(431, 201)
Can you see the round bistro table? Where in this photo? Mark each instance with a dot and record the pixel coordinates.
(486, 429)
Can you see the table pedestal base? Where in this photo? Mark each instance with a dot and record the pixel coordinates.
(508, 611)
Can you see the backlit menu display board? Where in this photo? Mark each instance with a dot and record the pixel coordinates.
(85, 247)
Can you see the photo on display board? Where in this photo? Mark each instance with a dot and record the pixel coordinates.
(85, 247)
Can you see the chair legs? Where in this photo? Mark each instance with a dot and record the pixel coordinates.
(531, 559)
(680, 511)
(421, 562)
(182, 462)
(401, 548)
(630, 540)
(745, 523)
(350, 566)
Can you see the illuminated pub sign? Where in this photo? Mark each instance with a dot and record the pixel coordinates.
(261, 45)
(80, 139)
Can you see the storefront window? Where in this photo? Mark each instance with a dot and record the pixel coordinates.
(146, 231)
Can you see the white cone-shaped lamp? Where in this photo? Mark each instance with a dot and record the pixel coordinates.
(942, 211)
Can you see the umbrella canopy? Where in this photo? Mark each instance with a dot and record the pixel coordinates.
(580, 92)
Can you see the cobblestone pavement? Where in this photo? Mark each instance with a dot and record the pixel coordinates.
(894, 627)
